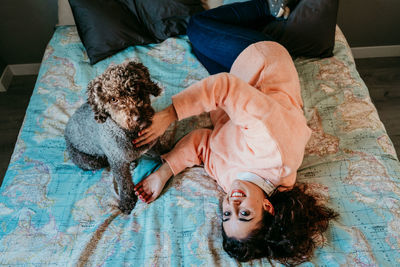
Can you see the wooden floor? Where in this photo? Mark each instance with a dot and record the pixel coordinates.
(382, 76)
(13, 104)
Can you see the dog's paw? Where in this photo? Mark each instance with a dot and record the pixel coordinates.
(127, 204)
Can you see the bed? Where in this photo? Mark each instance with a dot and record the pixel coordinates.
(52, 213)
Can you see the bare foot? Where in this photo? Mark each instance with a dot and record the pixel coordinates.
(150, 188)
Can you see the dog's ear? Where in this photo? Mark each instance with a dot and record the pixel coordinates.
(142, 77)
(94, 91)
(152, 88)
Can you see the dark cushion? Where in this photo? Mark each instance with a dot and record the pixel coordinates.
(165, 18)
(310, 29)
(108, 26)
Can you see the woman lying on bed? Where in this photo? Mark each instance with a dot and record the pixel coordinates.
(253, 152)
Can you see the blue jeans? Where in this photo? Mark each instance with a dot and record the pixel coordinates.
(219, 35)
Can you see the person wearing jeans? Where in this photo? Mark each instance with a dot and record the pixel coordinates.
(219, 35)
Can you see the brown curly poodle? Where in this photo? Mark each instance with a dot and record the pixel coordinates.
(101, 131)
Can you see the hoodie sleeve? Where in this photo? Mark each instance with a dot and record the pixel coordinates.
(245, 105)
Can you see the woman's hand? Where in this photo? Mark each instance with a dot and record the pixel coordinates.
(161, 121)
(150, 188)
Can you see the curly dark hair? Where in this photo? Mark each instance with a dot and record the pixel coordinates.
(289, 236)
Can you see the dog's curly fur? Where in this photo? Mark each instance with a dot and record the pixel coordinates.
(123, 93)
(101, 131)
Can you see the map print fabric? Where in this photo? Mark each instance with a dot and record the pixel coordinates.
(54, 214)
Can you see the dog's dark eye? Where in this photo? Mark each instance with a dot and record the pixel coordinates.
(114, 100)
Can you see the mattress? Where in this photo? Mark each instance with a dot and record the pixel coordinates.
(53, 213)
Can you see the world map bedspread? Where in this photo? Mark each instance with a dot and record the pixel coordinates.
(54, 214)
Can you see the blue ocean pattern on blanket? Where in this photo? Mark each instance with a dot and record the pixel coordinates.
(53, 213)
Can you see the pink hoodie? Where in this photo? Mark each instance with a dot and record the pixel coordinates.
(256, 110)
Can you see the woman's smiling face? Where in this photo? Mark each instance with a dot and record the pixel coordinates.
(242, 209)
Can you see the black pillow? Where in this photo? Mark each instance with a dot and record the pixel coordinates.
(165, 18)
(310, 29)
(108, 26)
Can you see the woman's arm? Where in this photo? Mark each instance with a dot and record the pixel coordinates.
(246, 106)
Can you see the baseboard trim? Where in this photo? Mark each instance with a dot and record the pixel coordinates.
(17, 70)
(376, 51)
(25, 69)
(6, 79)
